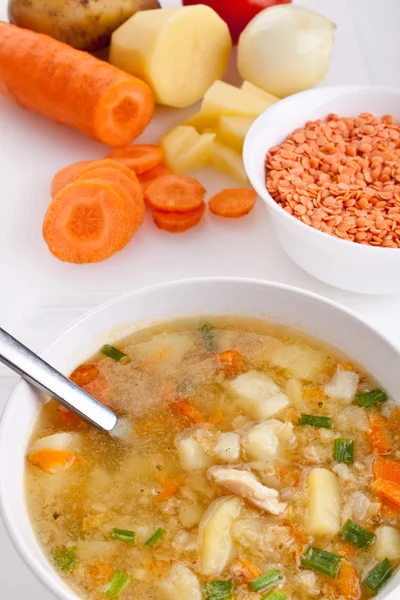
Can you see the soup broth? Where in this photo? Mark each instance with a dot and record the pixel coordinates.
(260, 465)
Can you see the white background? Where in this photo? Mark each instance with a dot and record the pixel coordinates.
(40, 295)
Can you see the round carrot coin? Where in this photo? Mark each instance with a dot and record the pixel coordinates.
(233, 203)
(88, 221)
(152, 174)
(67, 175)
(178, 222)
(139, 157)
(133, 188)
(108, 163)
(175, 193)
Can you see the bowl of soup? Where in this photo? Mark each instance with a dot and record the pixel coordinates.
(263, 457)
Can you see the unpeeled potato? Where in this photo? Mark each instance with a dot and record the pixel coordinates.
(179, 52)
(83, 24)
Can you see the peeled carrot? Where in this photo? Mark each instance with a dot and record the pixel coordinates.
(100, 572)
(108, 163)
(89, 221)
(178, 222)
(313, 394)
(233, 362)
(152, 174)
(133, 188)
(72, 87)
(250, 570)
(52, 460)
(384, 468)
(170, 487)
(185, 409)
(378, 436)
(388, 489)
(175, 193)
(84, 374)
(99, 389)
(67, 175)
(348, 581)
(68, 418)
(139, 157)
(217, 417)
(233, 203)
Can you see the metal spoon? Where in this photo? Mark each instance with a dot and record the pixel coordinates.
(40, 374)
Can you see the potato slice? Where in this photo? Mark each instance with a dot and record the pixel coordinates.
(300, 360)
(201, 121)
(233, 130)
(186, 150)
(190, 513)
(69, 442)
(387, 543)
(181, 584)
(225, 99)
(343, 386)
(192, 456)
(257, 91)
(215, 535)
(258, 395)
(179, 52)
(323, 503)
(228, 160)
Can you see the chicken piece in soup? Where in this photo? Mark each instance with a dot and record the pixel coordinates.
(260, 466)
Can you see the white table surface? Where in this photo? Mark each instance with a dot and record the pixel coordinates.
(40, 295)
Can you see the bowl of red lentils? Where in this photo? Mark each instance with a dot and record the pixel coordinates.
(327, 164)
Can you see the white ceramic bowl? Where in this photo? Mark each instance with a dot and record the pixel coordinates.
(341, 263)
(108, 323)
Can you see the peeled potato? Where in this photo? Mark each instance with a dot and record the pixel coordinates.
(187, 150)
(200, 121)
(225, 99)
(233, 130)
(228, 160)
(257, 91)
(179, 52)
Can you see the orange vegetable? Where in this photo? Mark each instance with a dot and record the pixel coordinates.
(68, 418)
(139, 158)
(175, 193)
(133, 188)
(233, 361)
(99, 389)
(384, 468)
(217, 417)
(250, 570)
(300, 538)
(313, 394)
(67, 175)
(233, 203)
(388, 510)
(348, 581)
(289, 477)
(52, 460)
(388, 489)
(100, 572)
(345, 549)
(89, 221)
(170, 488)
(152, 174)
(72, 87)
(178, 222)
(108, 163)
(378, 436)
(84, 374)
(291, 415)
(185, 409)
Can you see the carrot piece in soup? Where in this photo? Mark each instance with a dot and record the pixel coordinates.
(52, 460)
(85, 374)
(185, 409)
(384, 468)
(233, 362)
(249, 569)
(388, 489)
(378, 435)
(139, 157)
(348, 581)
(217, 417)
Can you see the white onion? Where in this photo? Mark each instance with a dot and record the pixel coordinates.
(285, 49)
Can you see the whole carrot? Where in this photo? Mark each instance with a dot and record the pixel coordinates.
(72, 87)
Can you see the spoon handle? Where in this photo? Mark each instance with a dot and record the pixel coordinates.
(40, 374)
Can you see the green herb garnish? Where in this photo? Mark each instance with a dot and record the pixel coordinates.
(117, 584)
(113, 353)
(219, 590)
(152, 541)
(321, 561)
(265, 580)
(316, 421)
(64, 559)
(123, 535)
(370, 398)
(344, 450)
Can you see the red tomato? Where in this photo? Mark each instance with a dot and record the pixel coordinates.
(237, 13)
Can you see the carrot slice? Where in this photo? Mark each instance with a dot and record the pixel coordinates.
(233, 203)
(68, 418)
(152, 174)
(84, 374)
(171, 487)
(384, 468)
(100, 572)
(250, 571)
(175, 193)
(52, 460)
(378, 436)
(72, 87)
(133, 188)
(140, 157)
(388, 489)
(67, 175)
(178, 222)
(233, 361)
(348, 581)
(108, 163)
(99, 389)
(185, 409)
(89, 221)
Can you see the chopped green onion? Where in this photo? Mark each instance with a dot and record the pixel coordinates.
(208, 336)
(370, 398)
(155, 537)
(113, 353)
(356, 535)
(316, 421)
(219, 590)
(265, 580)
(321, 561)
(275, 595)
(344, 450)
(117, 584)
(64, 558)
(123, 535)
(378, 577)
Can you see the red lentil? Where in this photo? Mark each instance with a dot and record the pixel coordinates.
(341, 176)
